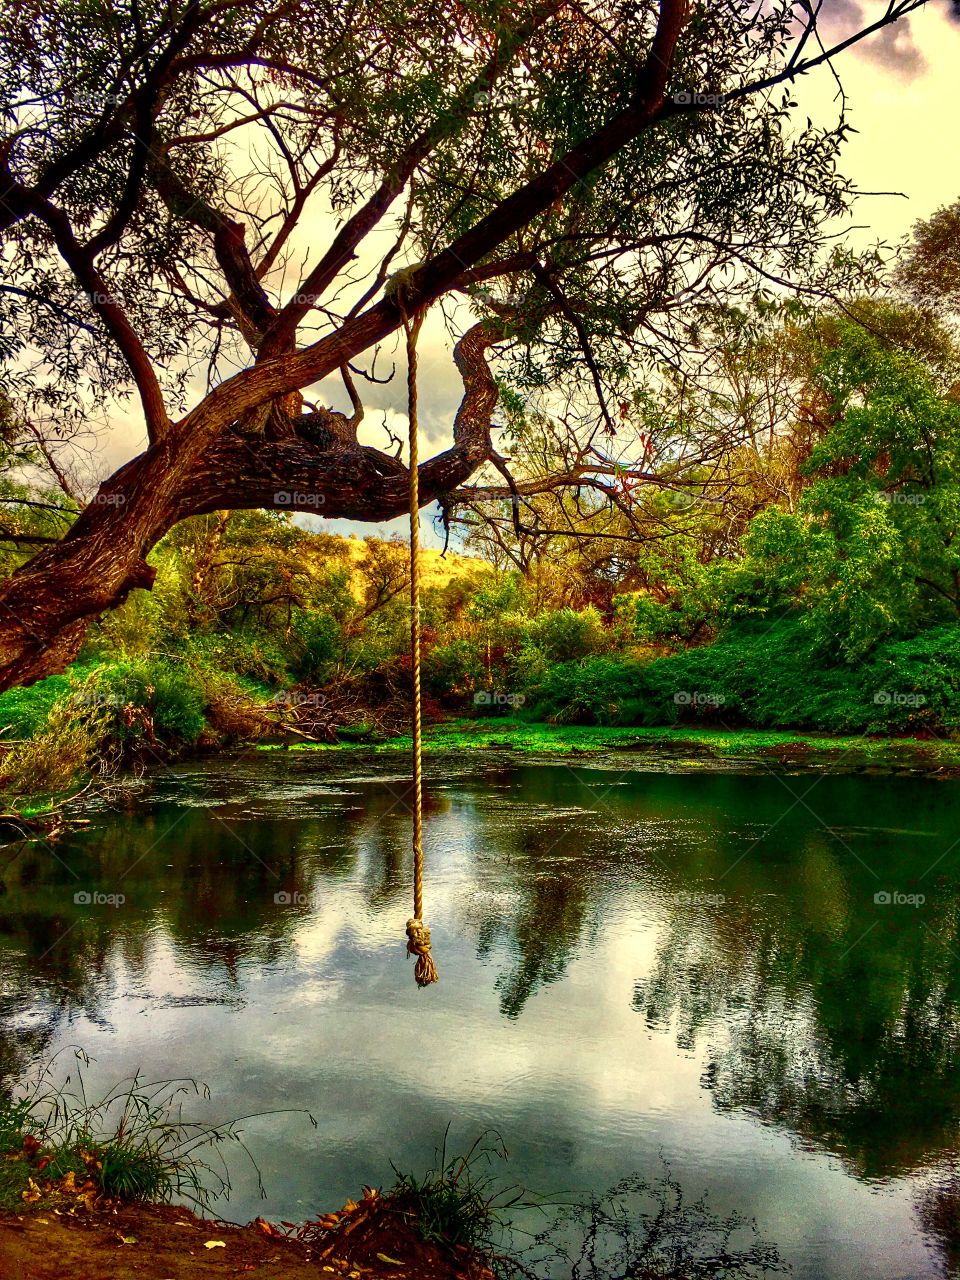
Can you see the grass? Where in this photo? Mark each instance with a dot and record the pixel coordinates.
(530, 738)
(132, 1143)
(459, 1203)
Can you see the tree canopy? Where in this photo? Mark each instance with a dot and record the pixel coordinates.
(213, 207)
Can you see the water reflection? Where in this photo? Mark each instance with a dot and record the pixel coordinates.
(732, 919)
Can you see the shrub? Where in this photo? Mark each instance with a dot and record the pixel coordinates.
(455, 669)
(72, 742)
(566, 634)
(156, 698)
(767, 676)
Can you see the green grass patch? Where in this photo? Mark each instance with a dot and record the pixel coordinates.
(551, 739)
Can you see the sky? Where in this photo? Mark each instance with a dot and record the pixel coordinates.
(903, 92)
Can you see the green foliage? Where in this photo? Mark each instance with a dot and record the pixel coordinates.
(24, 710)
(73, 742)
(320, 637)
(456, 668)
(459, 1203)
(766, 676)
(149, 699)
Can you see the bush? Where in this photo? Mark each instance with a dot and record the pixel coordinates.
(566, 634)
(72, 742)
(768, 677)
(455, 669)
(154, 698)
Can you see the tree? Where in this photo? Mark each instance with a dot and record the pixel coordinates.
(580, 175)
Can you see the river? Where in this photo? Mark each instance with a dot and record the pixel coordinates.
(749, 977)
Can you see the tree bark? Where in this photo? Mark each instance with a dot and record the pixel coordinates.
(48, 604)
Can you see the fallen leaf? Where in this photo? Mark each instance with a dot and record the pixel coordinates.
(69, 1182)
(214, 1244)
(128, 1239)
(32, 1193)
(394, 1262)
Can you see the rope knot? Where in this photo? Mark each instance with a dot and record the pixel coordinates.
(418, 944)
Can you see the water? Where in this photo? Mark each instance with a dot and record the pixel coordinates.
(638, 964)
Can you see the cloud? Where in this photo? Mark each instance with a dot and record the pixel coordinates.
(892, 47)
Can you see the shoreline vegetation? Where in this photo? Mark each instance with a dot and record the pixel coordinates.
(101, 1188)
(679, 747)
(80, 750)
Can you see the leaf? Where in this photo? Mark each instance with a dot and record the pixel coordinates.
(214, 1244)
(128, 1239)
(32, 1193)
(394, 1262)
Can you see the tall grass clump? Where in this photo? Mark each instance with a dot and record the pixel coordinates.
(460, 1201)
(131, 1143)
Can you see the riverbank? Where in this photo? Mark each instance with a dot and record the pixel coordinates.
(680, 747)
(163, 1242)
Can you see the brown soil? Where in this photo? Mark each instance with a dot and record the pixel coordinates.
(160, 1242)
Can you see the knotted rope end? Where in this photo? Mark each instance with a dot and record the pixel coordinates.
(418, 944)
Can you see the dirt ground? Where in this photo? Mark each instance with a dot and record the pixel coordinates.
(160, 1242)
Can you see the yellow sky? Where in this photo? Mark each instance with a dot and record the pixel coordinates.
(908, 124)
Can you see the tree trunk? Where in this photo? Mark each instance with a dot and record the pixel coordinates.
(48, 604)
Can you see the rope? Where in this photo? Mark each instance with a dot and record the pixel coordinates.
(418, 935)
